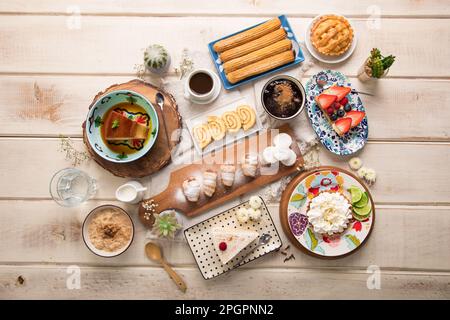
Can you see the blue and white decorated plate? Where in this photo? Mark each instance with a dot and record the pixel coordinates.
(356, 138)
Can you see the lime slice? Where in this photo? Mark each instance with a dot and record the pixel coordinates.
(364, 211)
(359, 218)
(363, 202)
(356, 193)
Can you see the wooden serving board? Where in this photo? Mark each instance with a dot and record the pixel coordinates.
(160, 154)
(173, 197)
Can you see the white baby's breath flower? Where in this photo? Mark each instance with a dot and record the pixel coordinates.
(370, 176)
(355, 163)
(242, 215)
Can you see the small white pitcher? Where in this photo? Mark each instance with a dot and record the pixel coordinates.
(130, 192)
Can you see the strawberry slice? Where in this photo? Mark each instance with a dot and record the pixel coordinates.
(342, 126)
(340, 92)
(356, 116)
(325, 100)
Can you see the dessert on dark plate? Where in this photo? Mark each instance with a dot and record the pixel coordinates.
(283, 97)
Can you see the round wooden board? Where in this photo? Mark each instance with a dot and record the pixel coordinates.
(285, 202)
(160, 154)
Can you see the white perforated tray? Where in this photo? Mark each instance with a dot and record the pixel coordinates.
(200, 241)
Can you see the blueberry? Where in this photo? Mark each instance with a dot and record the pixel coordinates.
(340, 113)
(347, 108)
(333, 117)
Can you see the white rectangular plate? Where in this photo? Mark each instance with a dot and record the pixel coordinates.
(201, 244)
(229, 137)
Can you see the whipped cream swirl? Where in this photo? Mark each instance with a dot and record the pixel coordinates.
(329, 213)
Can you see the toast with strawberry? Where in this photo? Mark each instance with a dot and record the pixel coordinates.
(337, 109)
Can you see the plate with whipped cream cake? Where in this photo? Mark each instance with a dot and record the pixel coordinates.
(336, 112)
(230, 239)
(327, 212)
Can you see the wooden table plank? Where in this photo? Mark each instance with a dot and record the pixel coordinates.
(96, 48)
(59, 105)
(409, 8)
(42, 232)
(31, 169)
(407, 172)
(152, 283)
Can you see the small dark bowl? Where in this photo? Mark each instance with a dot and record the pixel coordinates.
(297, 84)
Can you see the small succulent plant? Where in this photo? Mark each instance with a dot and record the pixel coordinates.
(156, 58)
(166, 224)
(378, 64)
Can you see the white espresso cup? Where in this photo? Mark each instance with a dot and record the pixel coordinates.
(130, 192)
(202, 86)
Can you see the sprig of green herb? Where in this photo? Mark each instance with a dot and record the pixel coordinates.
(115, 124)
(122, 156)
(98, 121)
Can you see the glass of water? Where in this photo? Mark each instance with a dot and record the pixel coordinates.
(71, 187)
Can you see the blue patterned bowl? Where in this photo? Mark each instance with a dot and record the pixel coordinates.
(144, 112)
(356, 138)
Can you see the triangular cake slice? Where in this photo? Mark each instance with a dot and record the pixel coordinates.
(229, 242)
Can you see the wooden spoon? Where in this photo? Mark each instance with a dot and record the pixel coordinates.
(153, 252)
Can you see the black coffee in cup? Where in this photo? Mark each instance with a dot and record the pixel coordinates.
(201, 83)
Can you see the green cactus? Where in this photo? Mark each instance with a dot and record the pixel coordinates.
(156, 58)
(388, 61)
(375, 53)
(379, 64)
(377, 68)
(166, 224)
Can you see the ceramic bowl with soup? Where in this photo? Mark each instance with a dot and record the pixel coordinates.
(122, 126)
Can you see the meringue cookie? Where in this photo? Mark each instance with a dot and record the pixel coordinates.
(255, 202)
(355, 163)
(268, 155)
(291, 159)
(254, 214)
(242, 215)
(370, 176)
(281, 154)
(282, 140)
(361, 172)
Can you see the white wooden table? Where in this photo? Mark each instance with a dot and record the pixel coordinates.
(46, 47)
